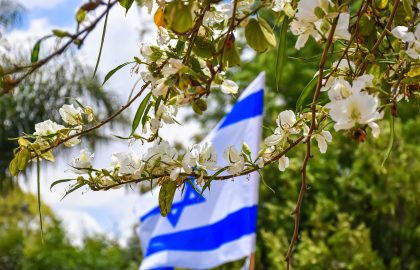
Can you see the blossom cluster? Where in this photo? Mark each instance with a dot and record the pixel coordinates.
(314, 18)
(197, 42)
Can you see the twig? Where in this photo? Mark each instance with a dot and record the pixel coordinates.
(195, 31)
(32, 68)
(194, 175)
(381, 37)
(228, 33)
(303, 186)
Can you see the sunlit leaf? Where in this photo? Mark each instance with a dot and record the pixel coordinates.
(139, 113)
(281, 52)
(259, 35)
(126, 4)
(60, 181)
(112, 72)
(35, 51)
(166, 196)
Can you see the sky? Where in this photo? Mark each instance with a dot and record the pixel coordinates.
(86, 212)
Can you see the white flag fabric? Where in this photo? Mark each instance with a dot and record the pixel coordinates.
(202, 232)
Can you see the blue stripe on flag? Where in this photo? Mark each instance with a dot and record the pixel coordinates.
(208, 237)
(249, 107)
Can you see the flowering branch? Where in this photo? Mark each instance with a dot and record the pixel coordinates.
(195, 47)
(307, 141)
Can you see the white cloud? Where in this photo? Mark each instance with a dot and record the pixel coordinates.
(78, 224)
(43, 4)
(88, 208)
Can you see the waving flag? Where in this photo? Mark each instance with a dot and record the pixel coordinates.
(220, 226)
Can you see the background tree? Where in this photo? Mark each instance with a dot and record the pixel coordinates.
(21, 246)
(358, 214)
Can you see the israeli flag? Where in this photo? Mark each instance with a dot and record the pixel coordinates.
(202, 232)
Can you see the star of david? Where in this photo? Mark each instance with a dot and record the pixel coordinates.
(190, 197)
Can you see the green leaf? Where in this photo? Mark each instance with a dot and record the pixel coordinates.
(203, 47)
(231, 57)
(407, 8)
(157, 103)
(14, 165)
(35, 51)
(60, 33)
(166, 196)
(19, 162)
(126, 4)
(179, 16)
(391, 139)
(80, 15)
(74, 188)
(305, 93)
(207, 183)
(196, 108)
(366, 25)
(102, 41)
(48, 156)
(139, 113)
(259, 35)
(201, 104)
(61, 181)
(145, 115)
(281, 51)
(112, 72)
(24, 157)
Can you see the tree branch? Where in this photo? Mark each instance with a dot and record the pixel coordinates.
(303, 186)
(381, 37)
(33, 67)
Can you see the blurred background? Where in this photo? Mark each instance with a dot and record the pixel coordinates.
(357, 214)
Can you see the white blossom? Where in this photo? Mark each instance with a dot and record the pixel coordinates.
(322, 139)
(175, 173)
(83, 162)
(260, 162)
(200, 156)
(340, 89)
(47, 128)
(217, 14)
(163, 36)
(283, 163)
(279, 5)
(359, 108)
(309, 23)
(167, 113)
(342, 28)
(235, 159)
(70, 114)
(275, 138)
(401, 32)
(229, 87)
(172, 67)
(127, 163)
(160, 88)
(155, 124)
(286, 121)
(73, 141)
(162, 152)
(146, 51)
(411, 39)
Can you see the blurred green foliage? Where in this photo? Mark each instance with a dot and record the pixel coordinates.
(21, 246)
(356, 214)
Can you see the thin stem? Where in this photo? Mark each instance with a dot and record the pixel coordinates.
(206, 177)
(32, 68)
(381, 37)
(303, 186)
(228, 33)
